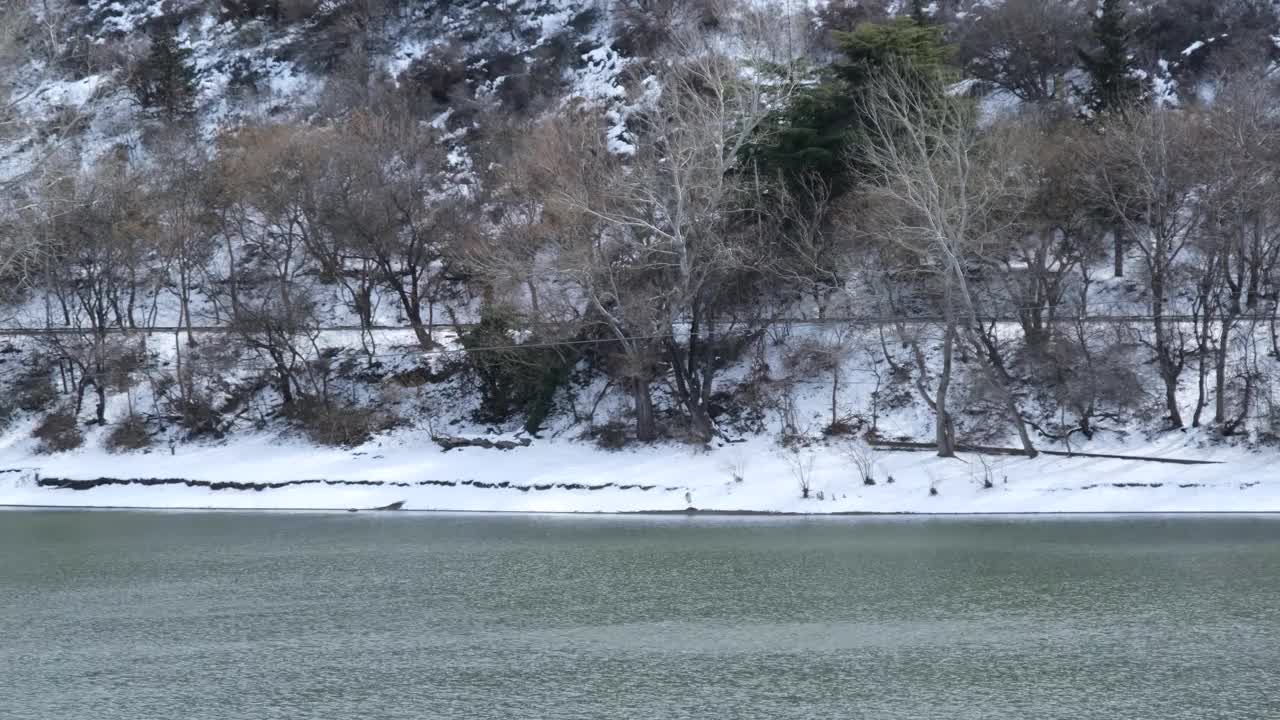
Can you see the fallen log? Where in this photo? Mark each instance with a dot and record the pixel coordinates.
(989, 450)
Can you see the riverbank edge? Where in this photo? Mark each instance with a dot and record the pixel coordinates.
(754, 478)
(691, 512)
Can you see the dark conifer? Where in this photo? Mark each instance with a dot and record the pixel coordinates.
(1114, 82)
(164, 81)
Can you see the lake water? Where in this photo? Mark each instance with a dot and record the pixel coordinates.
(227, 616)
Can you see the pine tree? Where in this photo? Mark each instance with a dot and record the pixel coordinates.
(872, 47)
(1114, 82)
(813, 135)
(1114, 85)
(164, 81)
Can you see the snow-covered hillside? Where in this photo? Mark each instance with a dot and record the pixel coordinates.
(626, 255)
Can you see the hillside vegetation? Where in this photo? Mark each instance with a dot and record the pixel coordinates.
(1030, 223)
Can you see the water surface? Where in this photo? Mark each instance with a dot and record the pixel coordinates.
(230, 616)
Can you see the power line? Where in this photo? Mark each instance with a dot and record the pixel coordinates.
(757, 324)
(764, 322)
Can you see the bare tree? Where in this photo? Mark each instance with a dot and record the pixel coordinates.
(667, 249)
(943, 191)
(266, 215)
(556, 236)
(799, 460)
(1026, 47)
(180, 195)
(681, 217)
(1147, 175)
(393, 204)
(97, 229)
(1238, 243)
(1053, 233)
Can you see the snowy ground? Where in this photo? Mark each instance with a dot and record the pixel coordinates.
(406, 465)
(676, 477)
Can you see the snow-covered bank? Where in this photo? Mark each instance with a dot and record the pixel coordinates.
(558, 473)
(662, 478)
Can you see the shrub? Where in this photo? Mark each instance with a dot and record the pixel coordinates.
(439, 75)
(197, 414)
(516, 380)
(202, 395)
(800, 462)
(611, 435)
(58, 432)
(843, 427)
(338, 424)
(128, 434)
(34, 390)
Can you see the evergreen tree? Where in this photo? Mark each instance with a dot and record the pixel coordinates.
(1114, 82)
(812, 136)
(873, 46)
(164, 81)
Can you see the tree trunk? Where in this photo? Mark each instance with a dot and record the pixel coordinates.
(693, 384)
(184, 386)
(286, 387)
(1202, 392)
(1271, 326)
(835, 391)
(944, 430)
(131, 302)
(101, 411)
(419, 329)
(1171, 400)
(1169, 370)
(283, 377)
(1023, 436)
(1118, 234)
(646, 429)
(233, 279)
(1202, 367)
(362, 299)
(186, 314)
(1086, 425)
(700, 420)
(80, 388)
(1220, 380)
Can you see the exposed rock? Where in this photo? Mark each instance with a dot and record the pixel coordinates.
(450, 442)
(69, 484)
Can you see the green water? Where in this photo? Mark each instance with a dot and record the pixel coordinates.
(224, 616)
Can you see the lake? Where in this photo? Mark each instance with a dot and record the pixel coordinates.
(229, 616)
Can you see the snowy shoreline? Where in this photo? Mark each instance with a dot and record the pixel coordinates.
(691, 513)
(265, 471)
